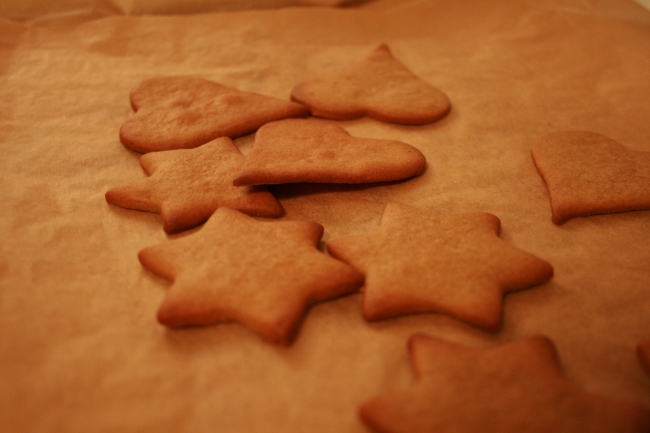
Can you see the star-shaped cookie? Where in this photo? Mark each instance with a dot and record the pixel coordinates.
(187, 185)
(588, 173)
(379, 86)
(513, 388)
(313, 150)
(185, 112)
(453, 264)
(261, 273)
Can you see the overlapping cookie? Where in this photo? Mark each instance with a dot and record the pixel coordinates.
(379, 86)
(185, 112)
(187, 185)
(261, 273)
(454, 264)
(514, 388)
(313, 150)
(588, 173)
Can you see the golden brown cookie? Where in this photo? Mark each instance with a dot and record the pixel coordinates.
(187, 185)
(185, 112)
(588, 173)
(513, 388)
(261, 273)
(313, 150)
(379, 86)
(454, 264)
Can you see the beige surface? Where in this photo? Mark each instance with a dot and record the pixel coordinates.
(80, 349)
(45, 10)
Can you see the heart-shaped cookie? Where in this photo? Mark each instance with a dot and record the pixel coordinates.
(313, 150)
(185, 112)
(379, 86)
(588, 173)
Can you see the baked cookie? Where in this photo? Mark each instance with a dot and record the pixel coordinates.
(313, 150)
(263, 274)
(379, 87)
(185, 112)
(454, 264)
(513, 388)
(187, 185)
(588, 173)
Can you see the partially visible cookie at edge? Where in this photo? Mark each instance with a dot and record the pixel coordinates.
(184, 112)
(513, 388)
(379, 86)
(587, 174)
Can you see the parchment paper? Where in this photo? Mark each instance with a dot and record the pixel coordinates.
(80, 349)
(39, 10)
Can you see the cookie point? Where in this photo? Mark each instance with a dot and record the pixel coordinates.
(171, 226)
(558, 219)
(108, 196)
(240, 181)
(127, 140)
(166, 315)
(547, 270)
(383, 47)
(365, 411)
(643, 354)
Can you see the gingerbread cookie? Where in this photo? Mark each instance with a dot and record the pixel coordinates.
(187, 185)
(454, 264)
(514, 388)
(263, 274)
(185, 112)
(379, 87)
(313, 150)
(588, 173)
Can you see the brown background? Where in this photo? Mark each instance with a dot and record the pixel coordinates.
(80, 349)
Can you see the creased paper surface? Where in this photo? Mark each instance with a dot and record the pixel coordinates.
(80, 349)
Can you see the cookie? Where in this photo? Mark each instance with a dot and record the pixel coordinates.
(187, 185)
(643, 354)
(263, 274)
(313, 150)
(379, 87)
(513, 388)
(185, 112)
(454, 264)
(588, 173)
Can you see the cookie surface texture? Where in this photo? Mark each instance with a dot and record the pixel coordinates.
(452, 264)
(588, 173)
(185, 112)
(379, 87)
(313, 150)
(187, 185)
(263, 274)
(513, 388)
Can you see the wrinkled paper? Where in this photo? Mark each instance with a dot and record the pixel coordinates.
(80, 347)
